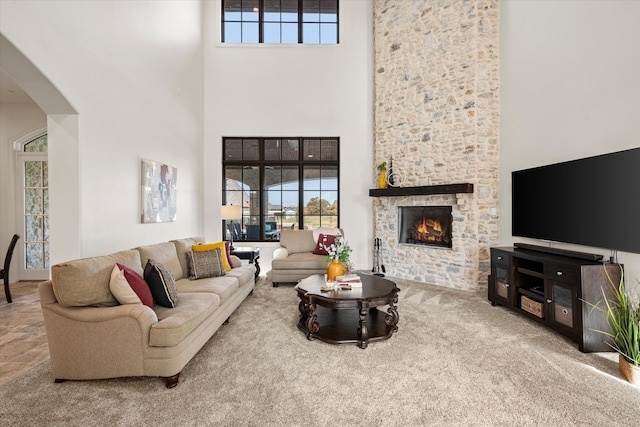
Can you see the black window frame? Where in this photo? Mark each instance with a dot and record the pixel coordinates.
(261, 21)
(303, 160)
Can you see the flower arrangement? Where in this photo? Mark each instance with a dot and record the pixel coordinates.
(339, 250)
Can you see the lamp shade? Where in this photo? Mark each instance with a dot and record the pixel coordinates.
(231, 212)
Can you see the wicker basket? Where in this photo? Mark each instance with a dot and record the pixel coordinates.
(534, 307)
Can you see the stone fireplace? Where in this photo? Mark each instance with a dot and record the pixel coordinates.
(436, 116)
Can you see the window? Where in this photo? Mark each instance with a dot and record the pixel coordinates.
(281, 183)
(280, 21)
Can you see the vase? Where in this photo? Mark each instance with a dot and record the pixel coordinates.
(630, 372)
(382, 180)
(334, 269)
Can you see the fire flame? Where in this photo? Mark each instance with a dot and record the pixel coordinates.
(428, 230)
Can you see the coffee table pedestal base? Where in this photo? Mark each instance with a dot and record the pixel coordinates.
(346, 326)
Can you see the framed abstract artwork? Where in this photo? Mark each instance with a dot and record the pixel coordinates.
(159, 192)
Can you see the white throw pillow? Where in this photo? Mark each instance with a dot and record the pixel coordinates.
(326, 231)
(121, 289)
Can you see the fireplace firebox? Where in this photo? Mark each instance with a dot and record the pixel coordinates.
(425, 225)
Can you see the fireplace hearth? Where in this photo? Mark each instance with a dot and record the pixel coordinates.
(425, 225)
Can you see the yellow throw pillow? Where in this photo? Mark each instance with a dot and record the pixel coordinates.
(212, 246)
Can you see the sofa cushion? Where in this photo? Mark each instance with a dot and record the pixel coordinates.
(129, 258)
(212, 246)
(297, 241)
(324, 241)
(161, 283)
(84, 282)
(244, 273)
(223, 286)
(163, 253)
(300, 261)
(175, 324)
(206, 264)
(137, 284)
(183, 248)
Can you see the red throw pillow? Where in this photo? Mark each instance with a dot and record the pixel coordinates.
(324, 240)
(138, 285)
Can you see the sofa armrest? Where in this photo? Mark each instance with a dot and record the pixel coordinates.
(95, 342)
(235, 262)
(280, 253)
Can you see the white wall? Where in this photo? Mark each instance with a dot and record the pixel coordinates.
(133, 72)
(569, 89)
(296, 90)
(16, 121)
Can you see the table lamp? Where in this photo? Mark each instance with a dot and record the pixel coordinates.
(231, 213)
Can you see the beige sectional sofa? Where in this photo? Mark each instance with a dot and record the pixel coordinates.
(92, 336)
(295, 259)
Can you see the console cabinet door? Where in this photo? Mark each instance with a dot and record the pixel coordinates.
(562, 307)
(502, 291)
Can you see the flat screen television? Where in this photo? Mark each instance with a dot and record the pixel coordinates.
(593, 201)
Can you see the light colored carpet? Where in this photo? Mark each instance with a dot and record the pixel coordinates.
(455, 360)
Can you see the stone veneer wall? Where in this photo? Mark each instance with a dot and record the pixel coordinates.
(437, 116)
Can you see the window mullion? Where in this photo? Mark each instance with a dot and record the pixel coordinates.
(260, 21)
(300, 3)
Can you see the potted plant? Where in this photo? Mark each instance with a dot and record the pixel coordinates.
(382, 176)
(623, 317)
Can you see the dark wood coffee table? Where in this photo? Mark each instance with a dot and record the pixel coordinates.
(348, 316)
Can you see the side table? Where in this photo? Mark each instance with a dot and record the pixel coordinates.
(248, 253)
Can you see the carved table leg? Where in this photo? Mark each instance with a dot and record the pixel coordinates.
(393, 317)
(363, 332)
(255, 262)
(312, 325)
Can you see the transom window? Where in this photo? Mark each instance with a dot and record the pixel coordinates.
(280, 183)
(280, 21)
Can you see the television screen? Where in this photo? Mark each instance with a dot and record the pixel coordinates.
(593, 201)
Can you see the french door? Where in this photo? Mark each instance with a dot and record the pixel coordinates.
(32, 198)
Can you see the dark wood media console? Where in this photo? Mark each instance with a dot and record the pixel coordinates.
(555, 290)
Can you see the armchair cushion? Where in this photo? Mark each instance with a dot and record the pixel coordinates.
(297, 241)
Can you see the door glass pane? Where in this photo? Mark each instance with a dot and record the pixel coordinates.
(33, 201)
(35, 256)
(36, 209)
(33, 174)
(501, 285)
(563, 312)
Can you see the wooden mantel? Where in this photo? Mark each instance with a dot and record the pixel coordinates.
(422, 191)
